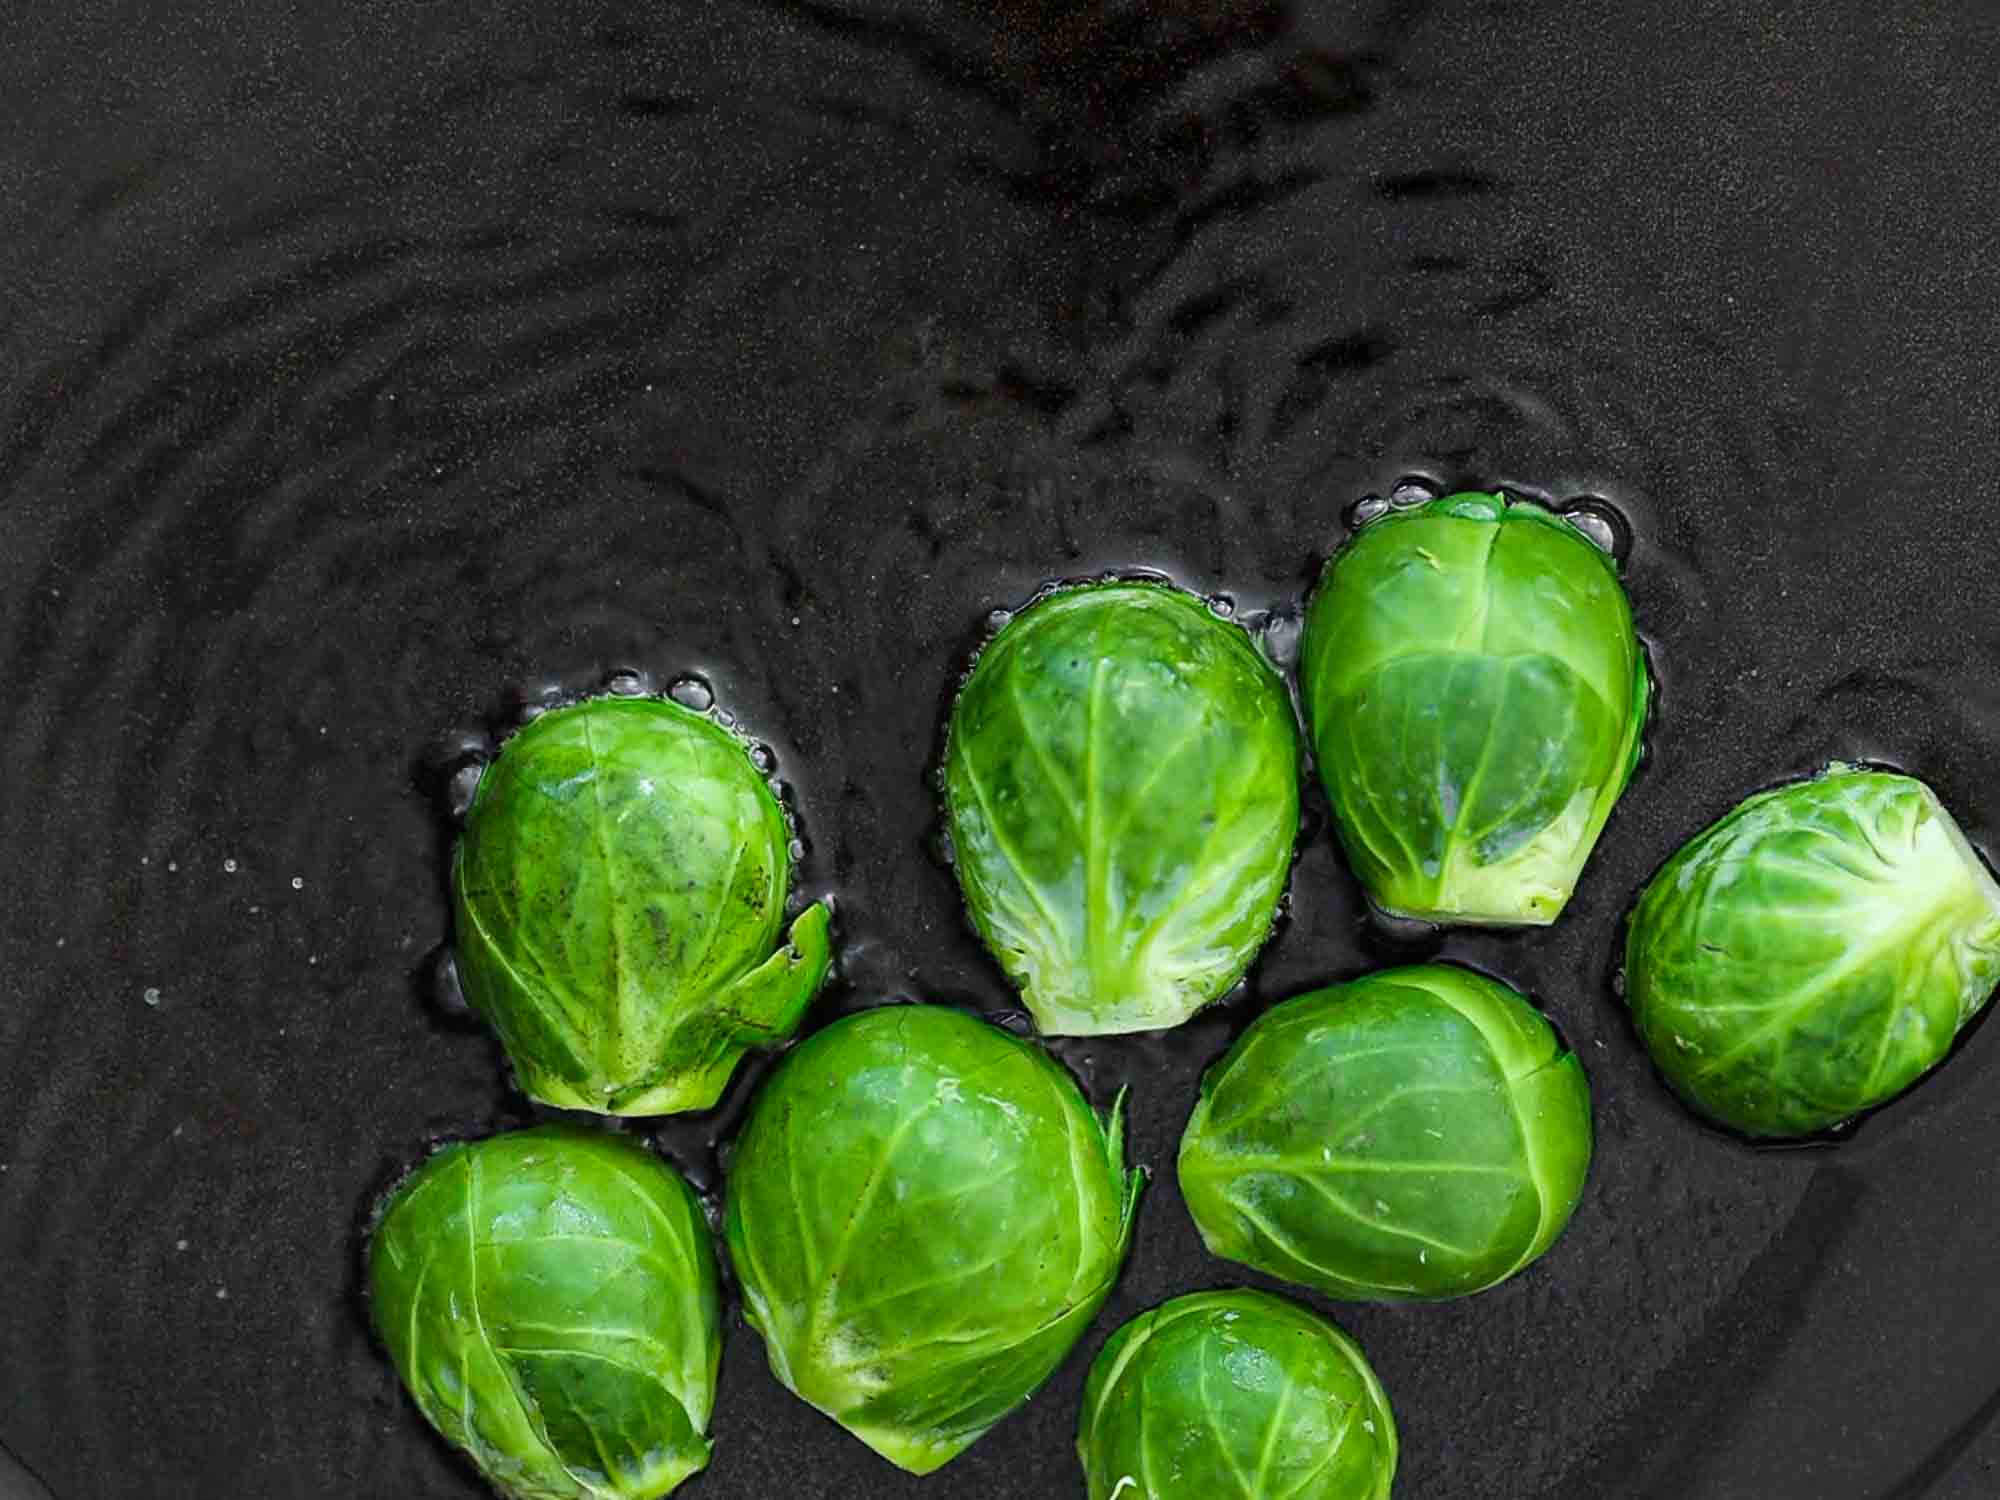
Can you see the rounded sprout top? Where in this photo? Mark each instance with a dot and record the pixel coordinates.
(620, 892)
(1476, 696)
(1813, 953)
(549, 1299)
(924, 1215)
(1418, 1133)
(1121, 781)
(1234, 1395)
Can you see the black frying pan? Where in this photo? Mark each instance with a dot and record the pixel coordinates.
(359, 364)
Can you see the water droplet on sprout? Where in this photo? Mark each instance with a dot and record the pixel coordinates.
(763, 758)
(1223, 605)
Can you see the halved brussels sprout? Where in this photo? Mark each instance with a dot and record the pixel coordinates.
(924, 1215)
(1121, 782)
(1234, 1396)
(620, 887)
(1476, 696)
(1813, 953)
(549, 1298)
(1420, 1133)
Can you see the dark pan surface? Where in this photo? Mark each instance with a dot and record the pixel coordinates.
(360, 362)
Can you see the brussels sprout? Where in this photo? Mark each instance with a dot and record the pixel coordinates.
(620, 887)
(1420, 1133)
(549, 1298)
(1234, 1396)
(1121, 785)
(1813, 953)
(924, 1216)
(1476, 695)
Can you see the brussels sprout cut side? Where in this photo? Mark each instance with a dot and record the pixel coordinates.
(924, 1215)
(1121, 786)
(1234, 1396)
(620, 889)
(1476, 696)
(1813, 953)
(1417, 1134)
(549, 1298)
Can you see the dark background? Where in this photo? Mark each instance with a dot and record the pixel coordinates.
(360, 362)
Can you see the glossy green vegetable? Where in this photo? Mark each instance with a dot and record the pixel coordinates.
(924, 1216)
(1814, 952)
(1476, 696)
(1419, 1133)
(620, 889)
(1234, 1396)
(549, 1299)
(1121, 784)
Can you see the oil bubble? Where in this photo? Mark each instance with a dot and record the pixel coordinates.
(1280, 638)
(1413, 490)
(535, 697)
(763, 758)
(1601, 522)
(298, 882)
(152, 996)
(229, 867)
(1367, 508)
(460, 789)
(1221, 605)
(453, 748)
(447, 992)
(627, 682)
(692, 691)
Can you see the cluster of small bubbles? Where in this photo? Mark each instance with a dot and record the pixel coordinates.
(152, 995)
(763, 758)
(1221, 605)
(229, 867)
(460, 789)
(1367, 508)
(691, 691)
(627, 682)
(1601, 523)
